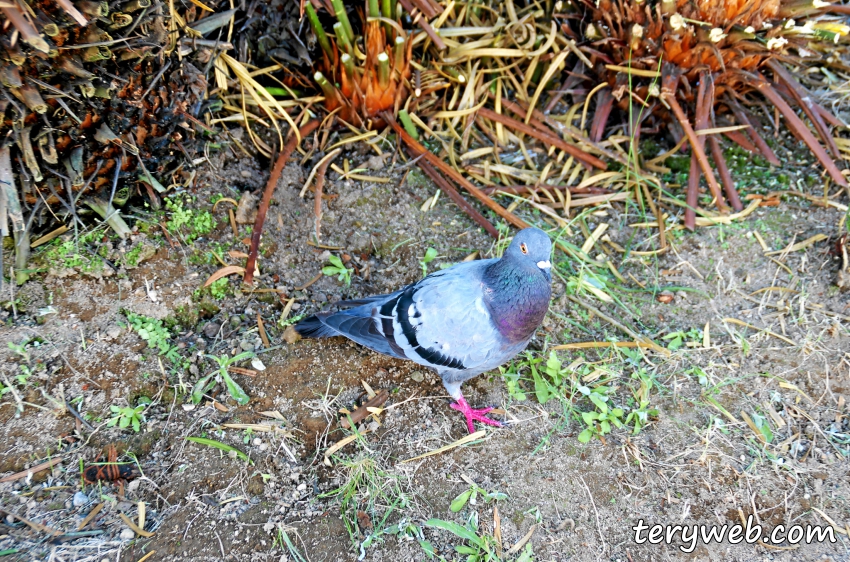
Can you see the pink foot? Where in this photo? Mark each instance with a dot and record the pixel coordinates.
(471, 414)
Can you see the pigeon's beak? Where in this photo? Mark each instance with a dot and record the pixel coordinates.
(546, 266)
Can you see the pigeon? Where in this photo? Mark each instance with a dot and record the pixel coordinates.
(461, 321)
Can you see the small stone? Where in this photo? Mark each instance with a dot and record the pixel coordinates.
(113, 332)
(263, 447)
(301, 487)
(246, 345)
(10, 519)
(290, 335)
(133, 485)
(127, 534)
(257, 442)
(80, 499)
(211, 329)
(418, 376)
(235, 321)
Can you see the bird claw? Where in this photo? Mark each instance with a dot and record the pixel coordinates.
(474, 414)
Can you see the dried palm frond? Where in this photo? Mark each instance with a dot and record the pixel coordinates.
(698, 69)
(363, 75)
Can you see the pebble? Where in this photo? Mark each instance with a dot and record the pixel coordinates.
(80, 499)
(10, 519)
(263, 446)
(127, 534)
(211, 329)
(418, 376)
(246, 345)
(301, 487)
(235, 321)
(257, 441)
(113, 332)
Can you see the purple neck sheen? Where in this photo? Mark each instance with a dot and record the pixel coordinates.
(519, 298)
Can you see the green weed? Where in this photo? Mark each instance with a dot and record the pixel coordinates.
(339, 269)
(478, 547)
(187, 223)
(430, 255)
(369, 488)
(205, 384)
(126, 417)
(155, 333)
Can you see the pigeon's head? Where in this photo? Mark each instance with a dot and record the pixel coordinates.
(532, 246)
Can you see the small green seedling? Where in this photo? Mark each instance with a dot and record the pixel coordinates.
(430, 255)
(230, 450)
(338, 268)
(641, 415)
(599, 422)
(155, 333)
(678, 339)
(479, 547)
(125, 417)
(205, 384)
(471, 496)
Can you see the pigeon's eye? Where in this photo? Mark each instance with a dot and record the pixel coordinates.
(523, 248)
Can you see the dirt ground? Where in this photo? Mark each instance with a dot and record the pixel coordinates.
(746, 408)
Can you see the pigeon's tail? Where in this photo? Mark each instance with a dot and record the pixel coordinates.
(314, 327)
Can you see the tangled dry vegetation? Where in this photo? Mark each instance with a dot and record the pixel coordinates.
(556, 106)
(105, 103)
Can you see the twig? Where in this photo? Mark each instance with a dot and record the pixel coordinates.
(797, 126)
(420, 20)
(317, 205)
(72, 11)
(595, 512)
(521, 189)
(670, 83)
(458, 199)
(76, 414)
(631, 333)
(544, 136)
(248, 279)
(452, 173)
(363, 412)
(33, 470)
(541, 119)
(156, 79)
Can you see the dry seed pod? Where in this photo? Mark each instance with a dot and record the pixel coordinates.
(136, 5)
(96, 9)
(32, 99)
(10, 77)
(25, 144)
(74, 68)
(16, 55)
(47, 147)
(120, 20)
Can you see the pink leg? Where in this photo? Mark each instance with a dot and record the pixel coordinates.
(471, 414)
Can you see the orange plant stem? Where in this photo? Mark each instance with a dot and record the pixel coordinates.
(288, 149)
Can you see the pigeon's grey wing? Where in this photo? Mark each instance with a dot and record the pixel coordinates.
(360, 324)
(366, 300)
(444, 321)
